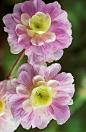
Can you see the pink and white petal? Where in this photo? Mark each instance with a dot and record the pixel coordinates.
(24, 40)
(15, 48)
(51, 9)
(55, 56)
(37, 40)
(34, 58)
(25, 79)
(12, 36)
(22, 91)
(20, 29)
(36, 79)
(65, 77)
(54, 84)
(25, 19)
(39, 50)
(17, 17)
(49, 37)
(61, 17)
(53, 70)
(28, 68)
(59, 113)
(26, 119)
(12, 83)
(17, 8)
(9, 21)
(62, 98)
(41, 70)
(39, 4)
(29, 8)
(27, 106)
(41, 121)
(3, 89)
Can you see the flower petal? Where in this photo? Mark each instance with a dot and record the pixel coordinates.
(20, 29)
(17, 8)
(36, 79)
(25, 19)
(53, 70)
(29, 8)
(39, 4)
(24, 78)
(49, 37)
(37, 40)
(27, 106)
(60, 113)
(24, 40)
(22, 91)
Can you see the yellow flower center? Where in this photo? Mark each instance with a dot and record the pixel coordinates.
(2, 107)
(41, 96)
(40, 22)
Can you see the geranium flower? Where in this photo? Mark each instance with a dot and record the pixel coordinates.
(41, 29)
(7, 123)
(41, 95)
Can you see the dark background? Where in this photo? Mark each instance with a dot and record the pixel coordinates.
(73, 60)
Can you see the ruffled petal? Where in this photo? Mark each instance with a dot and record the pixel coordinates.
(53, 70)
(17, 8)
(20, 29)
(37, 40)
(24, 40)
(59, 113)
(25, 19)
(25, 79)
(27, 106)
(29, 8)
(49, 37)
(22, 91)
(39, 4)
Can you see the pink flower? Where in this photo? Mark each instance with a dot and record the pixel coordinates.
(7, 123)
(41, 29)
(41, 95)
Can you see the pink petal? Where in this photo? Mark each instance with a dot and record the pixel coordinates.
(62, 98)
(51, 10)
(37, 40)
(59, 113)
(27, 106)
(15, 48)
(36, 79)
(41, 121)
(25, 19)
(17, 8)
(39, 4)
(9, 21)
(54, 84)
(24, 40)
(41, 70)
(29, 8)
(53, 70)
(17, 17)
(28, 68)
(24, 78)
(22, 91)
(48, 37)
(20, 29)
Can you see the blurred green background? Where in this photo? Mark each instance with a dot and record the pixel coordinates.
(73, 60)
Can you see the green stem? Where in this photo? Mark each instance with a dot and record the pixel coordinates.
(9, 75)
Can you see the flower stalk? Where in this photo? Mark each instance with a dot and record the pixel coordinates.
(9, 75)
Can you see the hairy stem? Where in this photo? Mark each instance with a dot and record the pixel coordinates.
(9, 75)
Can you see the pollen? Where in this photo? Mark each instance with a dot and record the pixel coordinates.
(40, 22)
(2, 107)
(41, 96)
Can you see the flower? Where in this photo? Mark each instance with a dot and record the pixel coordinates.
(41, 95)
(7, 123)
(41, 29)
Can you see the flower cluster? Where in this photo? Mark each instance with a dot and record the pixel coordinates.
(39, 93)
